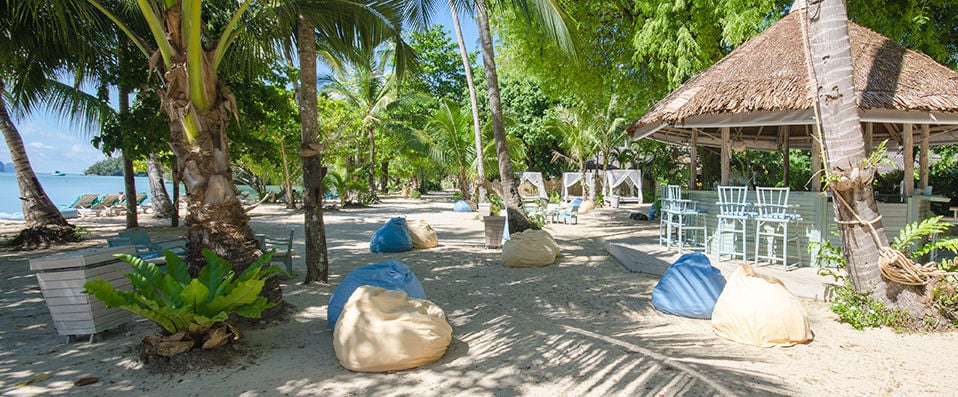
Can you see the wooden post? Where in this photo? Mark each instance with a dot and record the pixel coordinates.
(693, 159)
(783, 132)
(908, 144)
(925, 156)
(869, 137)
(726, 155)
(816, 164)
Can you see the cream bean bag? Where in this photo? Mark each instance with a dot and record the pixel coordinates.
(384, 330)
(758, 310)
(531, 248)
(587, 205)
(423, 236)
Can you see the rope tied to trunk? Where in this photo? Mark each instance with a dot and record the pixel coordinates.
(894, 265)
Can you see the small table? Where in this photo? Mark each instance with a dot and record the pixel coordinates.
(954, 212)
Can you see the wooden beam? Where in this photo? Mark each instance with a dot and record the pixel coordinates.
(693, 159)
(869, 138)
(816, 163)
(908, 152)
(726, 155)
(783, 133)
(925, 155)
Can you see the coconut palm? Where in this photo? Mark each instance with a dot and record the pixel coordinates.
(578, 140)
(850, 172)
(450, 141)
(369, 86)
(473, 102)
(550, 17)
(38, 44)
(609, 132)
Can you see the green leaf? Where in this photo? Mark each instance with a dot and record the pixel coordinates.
(102, 290)
(194, 295)
(255, 309)
(177, 268)
(244, 293)
(214, 273)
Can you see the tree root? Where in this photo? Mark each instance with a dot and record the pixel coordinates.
(44, 236)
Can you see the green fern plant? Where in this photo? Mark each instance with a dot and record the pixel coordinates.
(187, 306)
(910, 238)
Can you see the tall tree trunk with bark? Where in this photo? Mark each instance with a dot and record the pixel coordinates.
(850, 175)
(129, 183)
(474, 104)
(371, 178)
(39, 212)
(518, 221)
(317, 259)
(287, 181)
(162, 206)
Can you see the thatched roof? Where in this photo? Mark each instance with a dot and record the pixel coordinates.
(764, 83)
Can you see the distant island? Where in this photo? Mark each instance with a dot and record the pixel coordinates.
(111, 166)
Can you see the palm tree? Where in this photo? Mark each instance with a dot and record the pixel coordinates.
(850, 173)
(368, 86)
(38, 43)
(579, 141)
(609, 132)
(448, 137)
(473, 103)
(552, 19)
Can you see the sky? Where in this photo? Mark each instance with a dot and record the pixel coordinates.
(53, 144)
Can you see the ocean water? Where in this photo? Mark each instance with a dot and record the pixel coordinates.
(63, 190)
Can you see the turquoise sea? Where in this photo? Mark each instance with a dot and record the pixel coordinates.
(63, 190)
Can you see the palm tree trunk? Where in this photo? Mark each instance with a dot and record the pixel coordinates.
(473, 103)
(38, 209)
(830, 52)
(215, 217)
(129, 184)
(317, 259)
(518, 221)
(287, 183)
(162, 206)
(371, 133)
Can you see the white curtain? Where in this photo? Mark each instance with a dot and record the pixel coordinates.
(571, 178)
(535, 178)
(633, 178)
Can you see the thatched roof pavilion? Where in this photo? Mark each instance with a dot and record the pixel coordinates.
(759, 96)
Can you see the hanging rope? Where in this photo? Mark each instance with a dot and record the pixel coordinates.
(894, 265)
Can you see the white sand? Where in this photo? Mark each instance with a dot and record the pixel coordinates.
(583, 326)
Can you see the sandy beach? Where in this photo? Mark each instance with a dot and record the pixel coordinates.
(581, 327)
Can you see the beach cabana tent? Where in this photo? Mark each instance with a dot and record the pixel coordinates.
(631, 178)
(570, 179)
(534, 178)
(760, 97)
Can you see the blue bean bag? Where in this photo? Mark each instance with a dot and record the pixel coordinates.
(391, 275)
(391, 237)
(689, 288)
(462, 206)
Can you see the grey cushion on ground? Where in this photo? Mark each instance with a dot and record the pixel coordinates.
(385, 330)
(531, 248)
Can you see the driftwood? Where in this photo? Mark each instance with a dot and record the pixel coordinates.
(267, 196)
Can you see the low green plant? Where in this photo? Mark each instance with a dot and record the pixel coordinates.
(913, 239)
(182, 304)
(457, 196)
(414, 194)
(497, 205)
(861, 311)
(555, 198)
(599, 200)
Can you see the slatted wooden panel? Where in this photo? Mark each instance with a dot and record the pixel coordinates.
(61, 278)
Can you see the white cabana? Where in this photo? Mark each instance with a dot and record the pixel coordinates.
(534, 178)
(632, 178)
(571, 178)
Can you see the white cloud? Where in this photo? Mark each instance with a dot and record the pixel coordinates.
(40, 146)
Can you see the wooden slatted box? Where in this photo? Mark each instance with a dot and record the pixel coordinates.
(61, 278)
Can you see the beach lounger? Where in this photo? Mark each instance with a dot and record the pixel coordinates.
(103, 206)
(85, 200)
(146, 248)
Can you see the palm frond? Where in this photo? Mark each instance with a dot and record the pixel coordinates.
(912, 233)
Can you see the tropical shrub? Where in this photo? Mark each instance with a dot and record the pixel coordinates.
(190, 310)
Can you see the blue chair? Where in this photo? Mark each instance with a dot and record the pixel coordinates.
(147, 249)
(572, 212)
